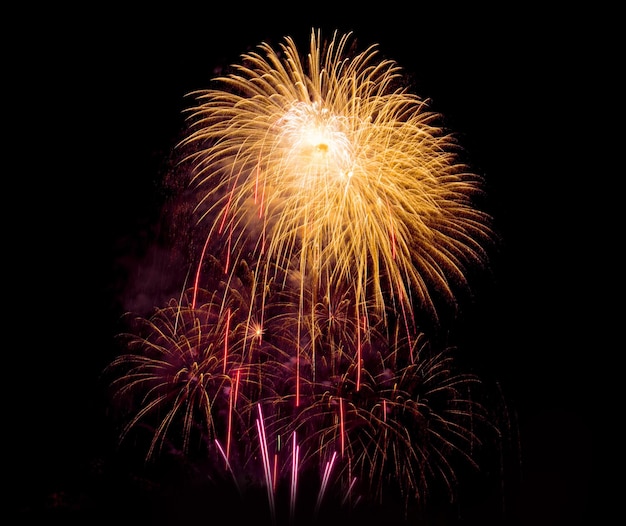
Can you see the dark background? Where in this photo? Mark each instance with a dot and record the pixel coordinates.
(106, 110)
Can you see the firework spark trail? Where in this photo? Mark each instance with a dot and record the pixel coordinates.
(294, 476)
(232, 402)
(327, 470)
(227, 465)
(348, 492)
(269, 484)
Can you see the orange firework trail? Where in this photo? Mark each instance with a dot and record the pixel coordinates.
(331, 210)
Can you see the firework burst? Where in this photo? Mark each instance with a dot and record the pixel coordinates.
(405, 428)
(330, 161)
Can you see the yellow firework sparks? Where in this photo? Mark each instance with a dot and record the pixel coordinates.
(329, 165)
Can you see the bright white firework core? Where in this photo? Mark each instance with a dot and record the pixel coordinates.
(317, 142)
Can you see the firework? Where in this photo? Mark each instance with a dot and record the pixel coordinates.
(326, 208)
(330, 162)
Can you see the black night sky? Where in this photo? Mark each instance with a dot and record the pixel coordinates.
(111, 92)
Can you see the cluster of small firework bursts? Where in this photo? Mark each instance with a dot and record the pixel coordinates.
(333, 205)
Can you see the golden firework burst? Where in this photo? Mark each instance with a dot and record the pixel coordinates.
(328, 164)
